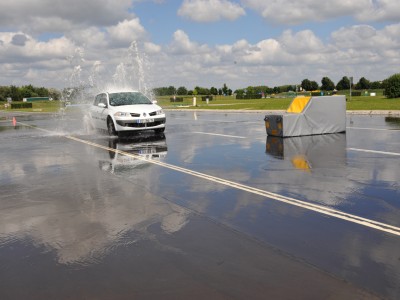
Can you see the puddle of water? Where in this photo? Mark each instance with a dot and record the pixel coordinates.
(70, 207)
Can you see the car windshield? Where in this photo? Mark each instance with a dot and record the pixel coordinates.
(128, 98)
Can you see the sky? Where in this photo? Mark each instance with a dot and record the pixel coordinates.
(156, 43)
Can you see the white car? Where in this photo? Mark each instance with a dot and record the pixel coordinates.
(128, 111)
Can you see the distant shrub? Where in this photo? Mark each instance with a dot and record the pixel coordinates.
(21, 105)
(392, 86)
(176, 99)
(257, 96)
(356, 93)
(204, 98)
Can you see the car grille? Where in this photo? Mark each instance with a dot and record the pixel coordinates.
(135, 115)
(153, 113)
(142, 125)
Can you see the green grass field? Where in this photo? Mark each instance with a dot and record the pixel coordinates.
(228, 102)
(38, 106)
(378, 102)
(220, 102)
(373, 103)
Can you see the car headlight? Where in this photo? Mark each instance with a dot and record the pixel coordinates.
(159, 112)
(122, 114)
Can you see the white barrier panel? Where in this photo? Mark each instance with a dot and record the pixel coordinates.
(309, 116)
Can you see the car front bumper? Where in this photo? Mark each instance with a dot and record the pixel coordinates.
(140, 124)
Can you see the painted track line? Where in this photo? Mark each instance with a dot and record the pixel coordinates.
(294, 202)
(374, 151)
(272, 196)
(376, 129)
(217, 134)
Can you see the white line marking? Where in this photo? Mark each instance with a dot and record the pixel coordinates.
(374, 151)
(313, 207)
(224, 135)
(377, 129)
(291, 201)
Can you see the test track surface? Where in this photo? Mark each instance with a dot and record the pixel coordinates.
(272, 196)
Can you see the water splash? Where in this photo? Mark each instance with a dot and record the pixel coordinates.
(119, 77)
(94, 76)
(138, 59)
(76, 60)
(133, 72)
(90, 78)
(76, 85)
(143, 69)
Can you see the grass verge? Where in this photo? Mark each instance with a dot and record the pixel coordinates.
(230, 103)
(223, 103)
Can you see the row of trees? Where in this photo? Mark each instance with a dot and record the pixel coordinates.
(307, 85)
(263, 89)
(27, 91)
(183, 91)
(343, 84)
(224, 90)
(391, 86)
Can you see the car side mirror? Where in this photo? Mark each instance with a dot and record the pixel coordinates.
(154, 101)
(102, 105)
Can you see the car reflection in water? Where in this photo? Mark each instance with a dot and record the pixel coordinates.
(143, 147)
(309, 152)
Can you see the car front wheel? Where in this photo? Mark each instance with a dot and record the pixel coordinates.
(111, 127)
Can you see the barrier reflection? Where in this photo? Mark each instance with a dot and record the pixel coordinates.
(148, 146)
(309, 152)
(394, 121)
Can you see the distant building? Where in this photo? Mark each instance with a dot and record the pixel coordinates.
(33, 99)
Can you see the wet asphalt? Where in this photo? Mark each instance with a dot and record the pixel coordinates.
(207, 210)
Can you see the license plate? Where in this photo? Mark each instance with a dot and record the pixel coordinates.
(145, 121)
(145, 151)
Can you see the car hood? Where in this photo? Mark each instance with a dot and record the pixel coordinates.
(138, 108)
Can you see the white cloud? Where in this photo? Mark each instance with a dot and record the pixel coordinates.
(91, 37)
(360, 50)
(295, 12)
(57, 16)
(125, 32)
(210, 10)
(30, 61)
(380, 10)
(107, 28)
(240, 45)
(31, 50)
(181, 44)
(264, 52)
(356, 37)
(152, 48)
(301, 11)
(351, 51)
(301, 42)
(365, 37)
(288, 49)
